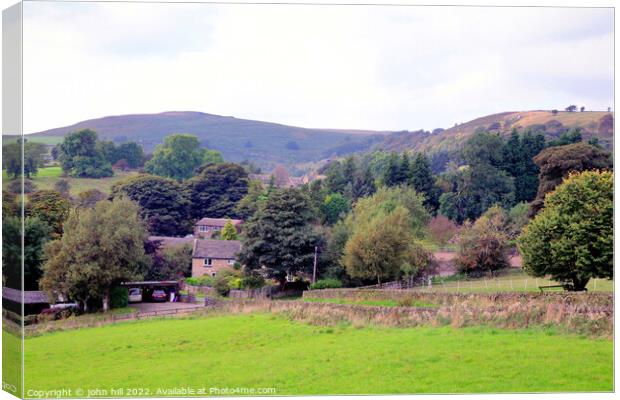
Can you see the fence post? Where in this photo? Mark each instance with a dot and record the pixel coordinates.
(594, 288)
(511, 288)
(526, 285)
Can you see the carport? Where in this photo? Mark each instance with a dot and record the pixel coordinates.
(170, 287)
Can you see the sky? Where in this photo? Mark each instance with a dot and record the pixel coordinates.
(355, 67)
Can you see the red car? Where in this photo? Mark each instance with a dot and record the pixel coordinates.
(159, 295)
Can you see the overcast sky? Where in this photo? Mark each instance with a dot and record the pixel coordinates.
(366, 67)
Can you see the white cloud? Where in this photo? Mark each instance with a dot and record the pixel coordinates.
(368, 67)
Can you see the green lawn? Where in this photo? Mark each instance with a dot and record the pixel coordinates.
(266, 351)
(11, 362)
(514, 281)
(48, 176)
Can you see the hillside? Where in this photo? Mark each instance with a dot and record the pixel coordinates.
(543, 121)
(266, 144)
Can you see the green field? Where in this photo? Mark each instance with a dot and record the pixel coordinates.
(266, 351)
(47, 177)
(50, 140)
(513, 281)
(11, 362)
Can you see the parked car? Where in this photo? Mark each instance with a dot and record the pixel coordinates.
(135, 295)
(159, 295)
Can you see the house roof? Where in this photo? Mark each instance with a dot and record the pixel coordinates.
(206, 248)
(171, 241)
(30, 296)
(218, 221)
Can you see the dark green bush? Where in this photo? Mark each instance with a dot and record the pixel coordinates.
(119, 297)
(328, 283)
(253, 281)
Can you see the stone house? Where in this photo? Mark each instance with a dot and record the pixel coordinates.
(207, 226)
(210, 256)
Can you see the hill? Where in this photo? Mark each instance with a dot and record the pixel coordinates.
(266, 144)
(546, 122)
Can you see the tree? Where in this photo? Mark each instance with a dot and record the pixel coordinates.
(556, 163)
(163, 203)
(100, 248)
(518, 162)
(421, 178)
(572, 135)
(381, 247)
(81, 157)
(364, 184)
(216, 191)
(441, 229)
(517, 218)
(571, 108)
(483, 148)
(571, 239)
(483, 246)
(50, 207)
(228, 231)
(177, 157)
(582, 109)
(404, 170)
(554, 112)
(334, 179)
(36, 234)
(334, 207)
(392, 172)
(131, 152)
(212, 157)
(280, 236)
(249, 204)
(32, 158)
(170, 263)
(474, 190)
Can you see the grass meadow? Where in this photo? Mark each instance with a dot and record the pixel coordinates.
(269, 351)
(513, 281)
(48, 176)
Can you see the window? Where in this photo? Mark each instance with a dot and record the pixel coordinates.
(203, 228)
(231, 261)
(208, 262)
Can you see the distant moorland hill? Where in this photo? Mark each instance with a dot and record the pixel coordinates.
(265, 143)
(592, 123)
(268, 144)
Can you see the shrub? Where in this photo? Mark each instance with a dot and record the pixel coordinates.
(225, 280)
(15, 186)
(204, 280)
(119, 297)
(62, 186)
(483, 246)
(88, 198)
(252, 281)
(327, 283)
